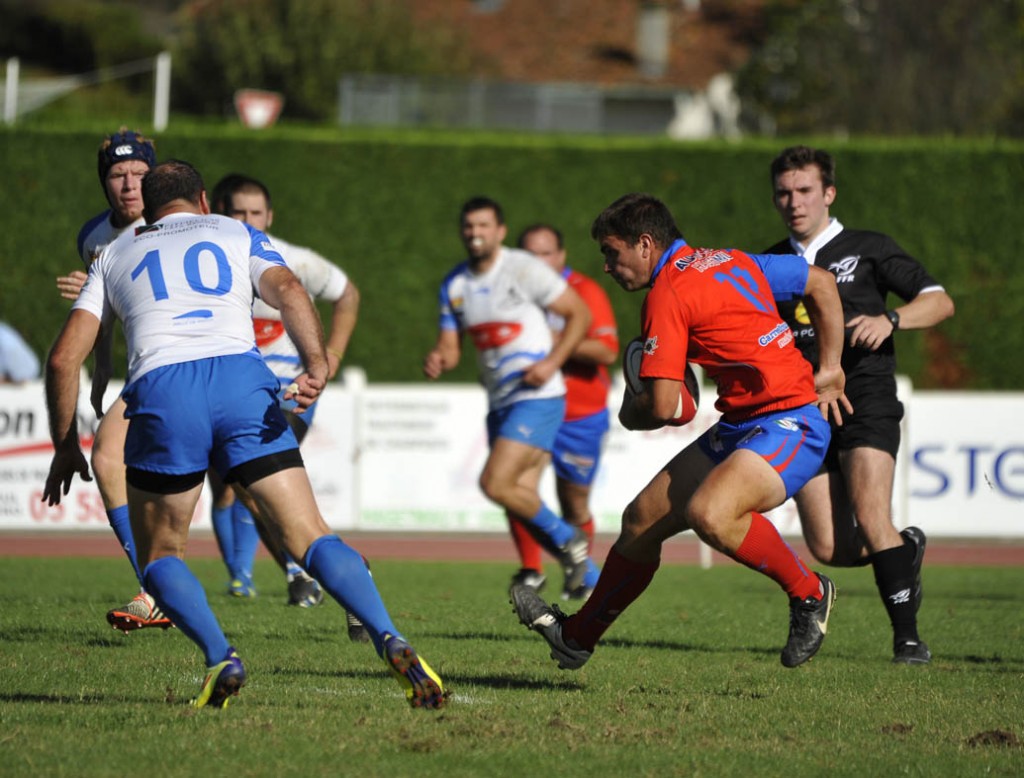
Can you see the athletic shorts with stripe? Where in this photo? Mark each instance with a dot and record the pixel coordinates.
(220, 411)
(792, 441)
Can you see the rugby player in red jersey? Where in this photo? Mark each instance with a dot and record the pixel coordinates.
(715, 307)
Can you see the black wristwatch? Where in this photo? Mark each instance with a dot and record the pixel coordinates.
(894, 319)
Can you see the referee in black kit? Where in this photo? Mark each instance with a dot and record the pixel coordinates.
(846, 510)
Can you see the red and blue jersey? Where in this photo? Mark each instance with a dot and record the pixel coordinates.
(716, 307)
(587, 383)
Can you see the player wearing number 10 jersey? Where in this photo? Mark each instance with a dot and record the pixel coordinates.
(715, 307)
(215, 319)
(199, 394)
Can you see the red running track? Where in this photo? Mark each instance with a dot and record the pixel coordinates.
(481, 547)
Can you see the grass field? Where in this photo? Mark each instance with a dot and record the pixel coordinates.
(688, 682)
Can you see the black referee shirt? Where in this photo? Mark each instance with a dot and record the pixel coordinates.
(868, 266)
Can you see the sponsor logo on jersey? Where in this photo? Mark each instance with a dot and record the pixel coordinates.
(494, 334)
(651, 344)
(788, 423)
(844, 269)
(704, 259)
(144, 228)
(781, 332)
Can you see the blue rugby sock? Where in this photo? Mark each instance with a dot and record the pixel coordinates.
(224, 531)
(247, 540)
(343, 574)
(180, 595)
(122, 526)
(552, 528)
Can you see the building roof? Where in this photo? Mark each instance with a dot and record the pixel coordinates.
(595, 41)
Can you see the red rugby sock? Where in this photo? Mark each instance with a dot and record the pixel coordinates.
(588, 527)
(621, 582)
(527, 548)
(764, 550)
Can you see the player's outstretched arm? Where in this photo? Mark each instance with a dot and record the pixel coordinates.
(63, 368)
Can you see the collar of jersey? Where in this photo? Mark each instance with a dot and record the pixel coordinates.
(811, 252)
(676, 245)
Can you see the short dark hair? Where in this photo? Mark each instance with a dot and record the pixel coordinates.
(541, 227)
(636, 214)
(167, 182)
(799, 157)
(481, 203)
(232, 184)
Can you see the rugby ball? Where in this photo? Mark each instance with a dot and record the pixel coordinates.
(631, 357)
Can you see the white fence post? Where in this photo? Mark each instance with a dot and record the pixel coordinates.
(162, 96)
(11, 91)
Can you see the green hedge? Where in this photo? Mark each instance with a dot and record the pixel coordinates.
(385, 207)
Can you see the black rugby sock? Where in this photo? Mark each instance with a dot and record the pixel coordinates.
(894, 576)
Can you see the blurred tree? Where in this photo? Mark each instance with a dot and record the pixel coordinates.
(74, 35)
(888, 67)
(301, 48)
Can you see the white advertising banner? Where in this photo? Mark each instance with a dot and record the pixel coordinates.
(25, 453)
(420, 453)
(966, 468)
(407, 457)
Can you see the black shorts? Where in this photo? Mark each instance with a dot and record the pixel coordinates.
(875, 422)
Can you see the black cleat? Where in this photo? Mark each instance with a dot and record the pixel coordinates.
(911, 652)
(535, 614)
(527, 576)
(808, 623)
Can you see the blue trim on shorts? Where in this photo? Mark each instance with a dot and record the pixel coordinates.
(577, 450)
(533, 422)
(220, 412)
(793, 442)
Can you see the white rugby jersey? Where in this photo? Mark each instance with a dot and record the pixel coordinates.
(322, 279)
(503, 310)
(182, 288)
(97, 233)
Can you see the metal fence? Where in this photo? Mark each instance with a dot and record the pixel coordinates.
(397, 101)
